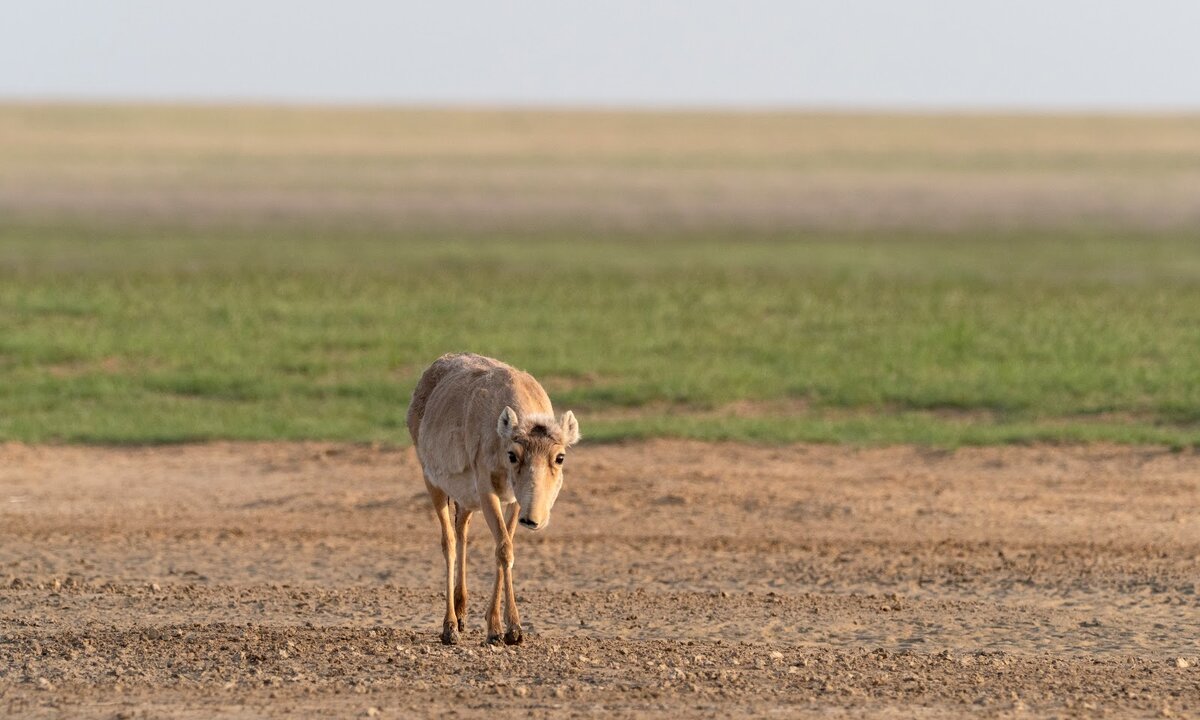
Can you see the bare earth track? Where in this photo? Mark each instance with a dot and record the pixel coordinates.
(239, 580)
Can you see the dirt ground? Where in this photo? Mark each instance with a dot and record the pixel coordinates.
(699, 580)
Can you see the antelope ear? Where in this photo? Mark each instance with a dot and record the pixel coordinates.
(570, 428)
(506, 426)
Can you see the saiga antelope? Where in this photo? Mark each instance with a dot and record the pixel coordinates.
(487, 439)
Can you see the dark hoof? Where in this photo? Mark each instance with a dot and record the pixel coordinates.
(513, 636)
(462, 626)
(449, 635)
(494, 639)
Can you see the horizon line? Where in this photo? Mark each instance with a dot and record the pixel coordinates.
(811, 108)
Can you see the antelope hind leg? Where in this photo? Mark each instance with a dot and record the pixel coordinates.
(462, 523)
(441, 507)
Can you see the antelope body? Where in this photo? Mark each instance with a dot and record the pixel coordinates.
(487, 440)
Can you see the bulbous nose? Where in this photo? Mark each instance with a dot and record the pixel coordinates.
(531, 524)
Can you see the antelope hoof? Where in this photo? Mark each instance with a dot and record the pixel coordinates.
(494, 639)
(514, 636)
(449, 634)
(462, 626)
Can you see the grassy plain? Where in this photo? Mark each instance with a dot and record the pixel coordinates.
(175, 274)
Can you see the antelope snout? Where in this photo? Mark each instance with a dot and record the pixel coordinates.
(533, 524)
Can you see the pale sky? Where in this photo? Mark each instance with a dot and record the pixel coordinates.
(931, 54)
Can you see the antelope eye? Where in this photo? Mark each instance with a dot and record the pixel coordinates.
(559, 460)
(512, 457)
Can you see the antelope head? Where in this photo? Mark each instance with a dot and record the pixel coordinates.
(535, 450)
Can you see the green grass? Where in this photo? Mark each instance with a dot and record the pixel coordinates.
(125, 332)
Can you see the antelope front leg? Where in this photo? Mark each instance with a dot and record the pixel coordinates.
(441, 506)
(512, 633)
(504, 559)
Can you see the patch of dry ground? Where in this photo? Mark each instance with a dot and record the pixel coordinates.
(240, 580)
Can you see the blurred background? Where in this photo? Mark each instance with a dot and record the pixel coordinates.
(868, 222)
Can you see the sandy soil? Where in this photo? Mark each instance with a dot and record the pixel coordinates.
(238, 580)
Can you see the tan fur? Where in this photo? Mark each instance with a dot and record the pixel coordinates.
(468, 413)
